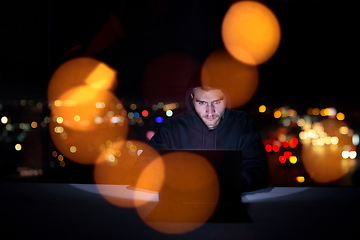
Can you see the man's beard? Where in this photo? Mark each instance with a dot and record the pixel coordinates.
(211, 123)
(215, 116)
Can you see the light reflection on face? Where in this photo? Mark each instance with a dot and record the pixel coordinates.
(210, 105)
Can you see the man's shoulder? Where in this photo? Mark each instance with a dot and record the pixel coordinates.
(241, 119)
(238, 114)
(174, 119)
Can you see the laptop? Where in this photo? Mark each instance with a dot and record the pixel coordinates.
(227, 165)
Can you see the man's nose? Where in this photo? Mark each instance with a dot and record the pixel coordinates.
(210, 108)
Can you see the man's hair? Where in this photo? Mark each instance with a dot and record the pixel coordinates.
(205, 88)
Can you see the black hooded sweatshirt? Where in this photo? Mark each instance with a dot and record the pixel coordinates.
(236, 131)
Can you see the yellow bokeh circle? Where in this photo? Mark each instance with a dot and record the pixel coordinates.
(251, 32)
(240, 81)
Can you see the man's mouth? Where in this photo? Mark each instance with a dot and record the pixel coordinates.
(210, 118)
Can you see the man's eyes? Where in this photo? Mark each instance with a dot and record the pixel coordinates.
(204, 103)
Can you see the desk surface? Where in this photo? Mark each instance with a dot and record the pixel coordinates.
(78, 211)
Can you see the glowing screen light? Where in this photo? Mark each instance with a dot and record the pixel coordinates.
(240, 81)
(250, 32)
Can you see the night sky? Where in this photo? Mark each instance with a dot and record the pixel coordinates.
(314, 65)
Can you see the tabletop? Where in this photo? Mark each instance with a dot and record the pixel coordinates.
(83, 211)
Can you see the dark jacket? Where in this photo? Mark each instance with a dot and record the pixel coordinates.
(236, 131)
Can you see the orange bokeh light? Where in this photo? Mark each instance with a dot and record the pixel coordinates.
(86, 118)
(114, 167)
(80, 107)
(251, 32)
(78, 72)
(189, 195)
(325, 163)
(240, 81)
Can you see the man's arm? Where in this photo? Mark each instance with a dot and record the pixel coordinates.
(161, 139)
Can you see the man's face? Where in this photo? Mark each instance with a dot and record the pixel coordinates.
(209, 105)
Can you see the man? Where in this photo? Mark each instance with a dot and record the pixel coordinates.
(210, 124)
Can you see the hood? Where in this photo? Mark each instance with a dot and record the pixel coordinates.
(193, 117)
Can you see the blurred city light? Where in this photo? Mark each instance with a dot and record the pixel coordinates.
(4, 120)
(169, 113)
(355, 139)
(300, 179)
(159, 119)
(268, 147)
(262, 109)
(282, 159)
(322, 149)
(340, 116)
(18, 147)
(293, 159)
(277, 114)
(145, 113)
(133, 106)
(276, 148)
(150, 134)
(87, 125)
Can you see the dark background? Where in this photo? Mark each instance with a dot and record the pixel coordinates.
(315, 65)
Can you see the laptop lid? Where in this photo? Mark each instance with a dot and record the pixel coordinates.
(227, 165)
(186, 203)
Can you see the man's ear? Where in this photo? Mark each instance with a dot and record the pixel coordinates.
(192, 96)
